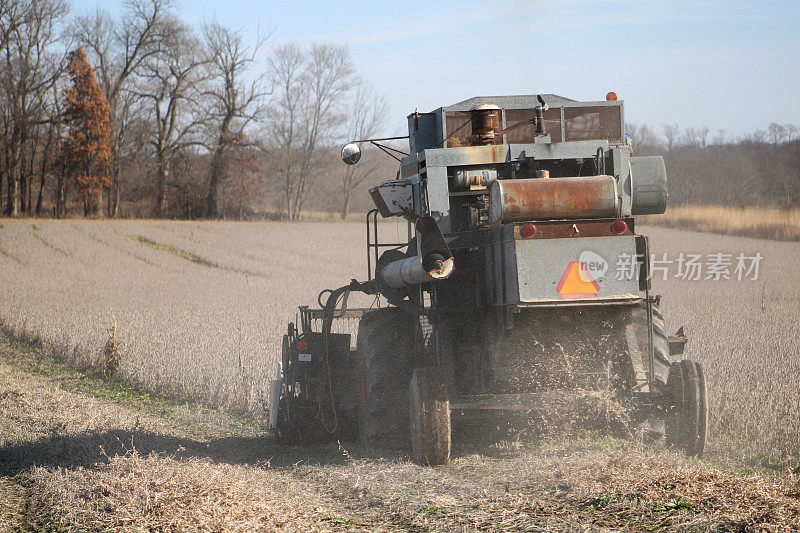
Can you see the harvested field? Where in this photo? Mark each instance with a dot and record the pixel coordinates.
(199, 309)
(101, 462)
(761, 222)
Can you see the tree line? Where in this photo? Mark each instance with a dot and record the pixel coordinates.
(143, 115)
(704, 167)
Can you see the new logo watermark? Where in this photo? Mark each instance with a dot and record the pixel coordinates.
(593, 266)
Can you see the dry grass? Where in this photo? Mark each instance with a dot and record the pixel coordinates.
(761, 222)
(157, 493)
(96, 465)
(619, 491)
(69, 461)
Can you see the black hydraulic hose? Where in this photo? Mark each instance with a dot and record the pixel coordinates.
(329, 308)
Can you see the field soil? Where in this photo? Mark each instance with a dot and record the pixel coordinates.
(81, 453)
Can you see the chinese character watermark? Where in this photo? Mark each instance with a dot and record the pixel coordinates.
(689, 266)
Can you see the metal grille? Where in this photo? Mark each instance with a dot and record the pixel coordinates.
(458, 126)
(524, 134)
(589, 123)
(340, 325)
(343, 322)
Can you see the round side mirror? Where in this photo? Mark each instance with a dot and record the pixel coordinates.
(351, 153)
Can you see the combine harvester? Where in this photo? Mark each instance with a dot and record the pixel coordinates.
(522, 285)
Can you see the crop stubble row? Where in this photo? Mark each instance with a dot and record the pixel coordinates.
(200, 308)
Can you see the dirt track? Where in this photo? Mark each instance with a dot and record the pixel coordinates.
(78, 453)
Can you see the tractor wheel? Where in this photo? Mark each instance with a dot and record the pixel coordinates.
(385, 345)
(430, 416)
(686, 423)
(660, 341)
(284, 430)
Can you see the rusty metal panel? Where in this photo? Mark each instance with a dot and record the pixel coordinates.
(461, 129)
(580, 228)
(553, 198)
(584, 120)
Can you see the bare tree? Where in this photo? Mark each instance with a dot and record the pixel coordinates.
(367, 114)
(234, 101)
(690, 137)
(311, 90)
(117, 49)
(31, 65)
(757, 137)
(776, 133)
(702, 137)
(791, 132)
(642, 135)
(286, 68)
(49, 136)
(671, 134)
(171, 82)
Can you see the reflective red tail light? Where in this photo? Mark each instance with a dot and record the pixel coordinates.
(301, 345)
(527, 230)
(619, 227)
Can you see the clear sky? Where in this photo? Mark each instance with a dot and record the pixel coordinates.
(732, 65)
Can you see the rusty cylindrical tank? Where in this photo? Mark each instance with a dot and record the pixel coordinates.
(485, 120)
(553, 198)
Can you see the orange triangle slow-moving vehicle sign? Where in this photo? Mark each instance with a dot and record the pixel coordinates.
(577, 282)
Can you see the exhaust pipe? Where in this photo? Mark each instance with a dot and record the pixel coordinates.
(434, 262)
(417, 269)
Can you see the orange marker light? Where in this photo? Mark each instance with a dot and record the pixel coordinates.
(611, 96)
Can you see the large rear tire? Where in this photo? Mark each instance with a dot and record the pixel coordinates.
(686, 423)
(385, 345)
(429, 408)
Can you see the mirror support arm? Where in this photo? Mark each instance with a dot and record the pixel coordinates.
(387, 148)
(381, 139)
(387, 152)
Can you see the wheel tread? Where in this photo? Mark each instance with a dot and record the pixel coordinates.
(687, 420)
